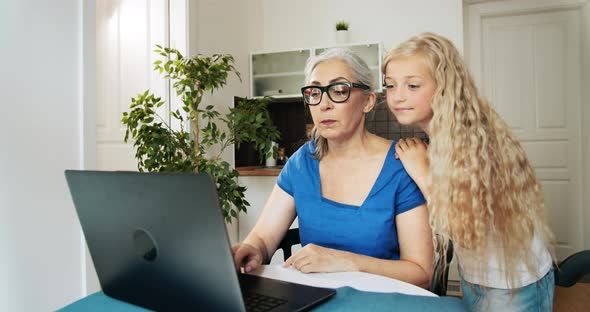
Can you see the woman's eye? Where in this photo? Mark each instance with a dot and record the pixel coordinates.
(413, 86)
(339, 90)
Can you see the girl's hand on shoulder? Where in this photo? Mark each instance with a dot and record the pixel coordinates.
(313, 258)
(413, 153)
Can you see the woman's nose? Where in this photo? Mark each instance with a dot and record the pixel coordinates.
(325, 102)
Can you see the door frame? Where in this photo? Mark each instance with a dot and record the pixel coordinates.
(87, 110)
(473, 16)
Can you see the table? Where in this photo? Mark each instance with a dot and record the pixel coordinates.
(355, 291)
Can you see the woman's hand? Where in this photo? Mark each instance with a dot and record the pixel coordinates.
(413, 153)
(246, 256)
(314, 258)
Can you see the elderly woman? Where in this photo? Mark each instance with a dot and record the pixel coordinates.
(358, 209)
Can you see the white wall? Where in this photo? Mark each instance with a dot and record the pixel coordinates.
(585, 119)
(310, 23)
(214, 27)
(41, 263)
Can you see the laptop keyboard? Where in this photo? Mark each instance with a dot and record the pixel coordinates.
(258, 303)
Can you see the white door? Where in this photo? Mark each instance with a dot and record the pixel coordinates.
(530, 72)
(127, 32)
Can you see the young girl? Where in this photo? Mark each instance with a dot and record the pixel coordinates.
(481, 190)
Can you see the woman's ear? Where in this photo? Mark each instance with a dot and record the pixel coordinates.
(370, 102)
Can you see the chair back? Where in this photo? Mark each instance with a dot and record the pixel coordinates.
(440, 276)
(290, 239)
(572, 269)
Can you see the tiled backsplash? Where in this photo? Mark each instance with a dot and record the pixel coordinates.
(383, 123)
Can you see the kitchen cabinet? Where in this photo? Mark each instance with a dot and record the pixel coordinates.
(281, 74)
(278, 74)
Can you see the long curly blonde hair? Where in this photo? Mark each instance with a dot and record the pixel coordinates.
(481, 181)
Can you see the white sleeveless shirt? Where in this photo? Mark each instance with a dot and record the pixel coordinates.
(496, 277)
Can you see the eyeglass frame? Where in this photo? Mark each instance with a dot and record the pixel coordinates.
(324, 89)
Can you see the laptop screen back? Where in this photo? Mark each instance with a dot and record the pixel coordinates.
(157, 240)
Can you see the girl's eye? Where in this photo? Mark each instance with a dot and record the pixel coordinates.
(413, 86)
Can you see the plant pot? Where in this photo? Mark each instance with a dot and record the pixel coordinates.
(271, 161)
(341, 36)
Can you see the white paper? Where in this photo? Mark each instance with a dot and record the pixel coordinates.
(358, 280)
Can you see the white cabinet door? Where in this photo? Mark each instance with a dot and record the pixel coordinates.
(278, 74)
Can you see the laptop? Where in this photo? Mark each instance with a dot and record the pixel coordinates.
(158, 240)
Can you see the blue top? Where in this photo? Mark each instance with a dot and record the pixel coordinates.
(368, 229)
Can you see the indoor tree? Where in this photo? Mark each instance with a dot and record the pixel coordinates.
(160, 147)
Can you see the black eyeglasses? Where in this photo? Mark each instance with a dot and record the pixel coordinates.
(338, 92)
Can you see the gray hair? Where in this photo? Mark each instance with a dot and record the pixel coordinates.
(360, 71)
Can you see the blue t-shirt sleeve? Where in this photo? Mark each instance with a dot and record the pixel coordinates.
(288, 177)
(408, 194)
(284, 181)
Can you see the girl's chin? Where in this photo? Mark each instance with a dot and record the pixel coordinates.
(404, 120)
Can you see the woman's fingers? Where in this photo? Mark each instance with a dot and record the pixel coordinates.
(252, 264)
(300, 259)
(301, 262)
(246, 256)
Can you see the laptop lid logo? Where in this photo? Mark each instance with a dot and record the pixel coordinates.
(145, 245)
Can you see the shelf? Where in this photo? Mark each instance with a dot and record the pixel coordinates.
(277, 85)
(273, 75)
(282, 96)
(259, 171)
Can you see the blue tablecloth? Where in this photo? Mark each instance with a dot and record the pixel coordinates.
(346, 299)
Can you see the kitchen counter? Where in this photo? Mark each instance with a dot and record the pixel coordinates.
(259, 171)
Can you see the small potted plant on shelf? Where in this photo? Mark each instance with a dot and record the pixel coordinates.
(182, 140)
(341, 32)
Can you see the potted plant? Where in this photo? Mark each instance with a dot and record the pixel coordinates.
(162, 147)
(341, 32)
